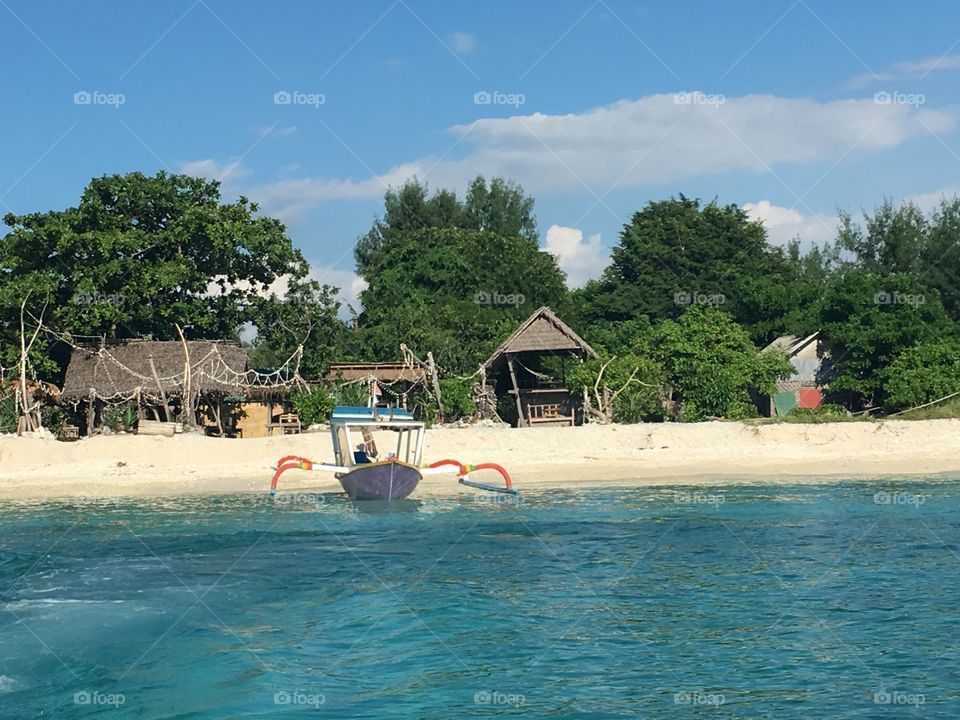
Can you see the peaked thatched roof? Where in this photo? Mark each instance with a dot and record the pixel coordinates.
(542, 332)
(120, 370)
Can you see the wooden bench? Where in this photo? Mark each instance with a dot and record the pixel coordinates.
(549, 414)
(289, 425)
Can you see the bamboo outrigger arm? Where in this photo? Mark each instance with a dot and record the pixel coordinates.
(441, 467)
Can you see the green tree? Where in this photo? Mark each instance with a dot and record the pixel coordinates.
(306, 315)
(675, 253)
(867, 320)
(901, 240)
(140, 255)
(454, 292)
(713, 366)
(622, 388)
(923, 373)
(501, 208)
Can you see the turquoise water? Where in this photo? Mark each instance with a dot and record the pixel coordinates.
(834, 601)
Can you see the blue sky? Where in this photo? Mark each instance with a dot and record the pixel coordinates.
(792, 108)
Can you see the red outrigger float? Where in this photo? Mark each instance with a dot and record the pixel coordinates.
(364, 477)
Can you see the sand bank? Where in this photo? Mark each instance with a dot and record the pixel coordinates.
(538, 458)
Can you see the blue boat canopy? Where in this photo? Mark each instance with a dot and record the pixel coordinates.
(359, 413)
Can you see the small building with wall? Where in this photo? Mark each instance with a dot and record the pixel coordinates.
(529, 368)
(803, 389)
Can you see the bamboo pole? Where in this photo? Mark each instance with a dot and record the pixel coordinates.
(188, 407)
(163, 394)
(516, 390)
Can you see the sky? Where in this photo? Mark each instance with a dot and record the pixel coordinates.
(793, 109)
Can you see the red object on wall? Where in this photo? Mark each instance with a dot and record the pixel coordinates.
(809, 397)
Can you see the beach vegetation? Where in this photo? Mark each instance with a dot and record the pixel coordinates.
(922, 374)
(713, 366)
(314, 405)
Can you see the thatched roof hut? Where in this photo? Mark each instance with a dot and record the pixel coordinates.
(539, 398)
(150, 369)
(384, 372)
(543, 333)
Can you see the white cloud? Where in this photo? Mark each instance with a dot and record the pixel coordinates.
(462, 42)
(289, 199)
(784, 224)
(910, 69)
(214, 170)
(928, 202)
(632, 143)
(350, 284)
(580, 260)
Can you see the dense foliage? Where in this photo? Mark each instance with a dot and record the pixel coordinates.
(692, 293)
(451, 276)
(923, 373)
(140, 255)
(676, 253)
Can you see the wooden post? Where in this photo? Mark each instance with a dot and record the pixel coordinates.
(191, 416)
(432, 369)
(516, 390)
(163, 394)
(90, 414)
(218, 411)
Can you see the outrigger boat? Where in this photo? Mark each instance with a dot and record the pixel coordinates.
(366, 477)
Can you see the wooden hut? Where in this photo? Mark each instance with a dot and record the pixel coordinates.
(532, 363)
(155, 377)
(391, 381)
(804, 388)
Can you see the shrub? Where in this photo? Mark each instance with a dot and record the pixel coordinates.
(922, 374)
(119, 418)
(314, 405)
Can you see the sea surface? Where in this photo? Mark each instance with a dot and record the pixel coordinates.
(811, 601)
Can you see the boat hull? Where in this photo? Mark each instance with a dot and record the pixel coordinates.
(381, 481)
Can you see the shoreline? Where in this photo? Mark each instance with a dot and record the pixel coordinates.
(703, 454)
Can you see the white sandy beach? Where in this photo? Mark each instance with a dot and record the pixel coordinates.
(537, 458)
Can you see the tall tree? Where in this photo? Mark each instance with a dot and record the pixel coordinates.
(141, 254)
(455, 292)
(900, 239)
(676, 253)
(867, 321)
(502, 208)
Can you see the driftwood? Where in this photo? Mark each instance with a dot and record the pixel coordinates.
(30, 417)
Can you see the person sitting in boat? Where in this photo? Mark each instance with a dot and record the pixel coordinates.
(360, 456)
